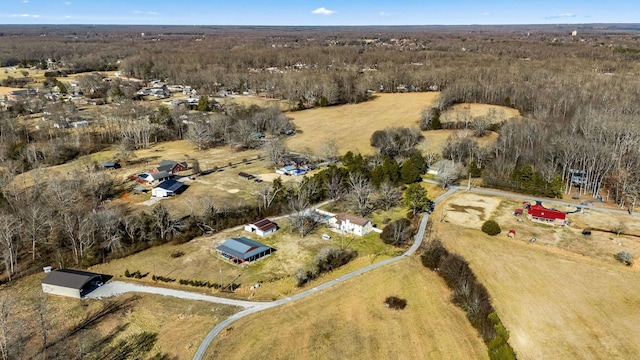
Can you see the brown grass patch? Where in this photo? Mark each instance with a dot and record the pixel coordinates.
(180, 324)
(460, 112)
(350, 321)
(556, 304)
(352, 125)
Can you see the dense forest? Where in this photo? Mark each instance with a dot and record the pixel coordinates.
(578, 95)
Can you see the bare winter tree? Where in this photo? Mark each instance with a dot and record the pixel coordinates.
(449, 172)
(329, 150)
(275, 150)
(360, 194)
(388, 196)
(266, 194)
(200, 133)
(9, 242)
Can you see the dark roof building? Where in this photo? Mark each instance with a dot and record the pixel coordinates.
(167, 188)
(70, 282)
(171, 166)
(240, 250)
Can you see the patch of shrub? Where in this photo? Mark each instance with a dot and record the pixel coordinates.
(625, 257)
(136, 274)
(491, 227)
(471, 296)
(395, 303)
(177, 254)
(162, 278)
(397, 232)
(327, 259)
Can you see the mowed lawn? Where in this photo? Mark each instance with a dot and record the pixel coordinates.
(351, 126)
(555, 303)
(350, 321)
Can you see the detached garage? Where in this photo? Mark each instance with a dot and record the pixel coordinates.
(167, 188)
(70, 282)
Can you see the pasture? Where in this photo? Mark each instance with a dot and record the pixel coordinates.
(564, 296)
(201, 262)
(350, 321)
(351, 126)
(180, 324)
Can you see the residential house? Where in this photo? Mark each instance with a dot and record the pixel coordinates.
(155, 177)
(262, 227)
(170, 166)
(241, 250)
(347, 223)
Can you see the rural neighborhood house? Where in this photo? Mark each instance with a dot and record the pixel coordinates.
(241, 250)
(347, 223)
(169, 166)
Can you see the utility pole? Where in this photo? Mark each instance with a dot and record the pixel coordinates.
(469, 183)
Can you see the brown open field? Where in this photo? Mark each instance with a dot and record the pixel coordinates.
(562, 297)
(460, 112)
(248, 100)
(350, 321)
(180, 324)
(351, 126)
(201, 262)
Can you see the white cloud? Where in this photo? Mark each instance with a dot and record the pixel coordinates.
(382, 13)
(67, 17)
(67, 2)
(25, 1)
(137, 12)
(152, 13)
(566, 15)
(26, 15)
(486, 13)
(323, 11)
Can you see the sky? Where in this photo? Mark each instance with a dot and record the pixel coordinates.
(318, 12)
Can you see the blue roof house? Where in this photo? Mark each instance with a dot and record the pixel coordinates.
(241, 250)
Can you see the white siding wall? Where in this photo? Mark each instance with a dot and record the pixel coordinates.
(59, 290)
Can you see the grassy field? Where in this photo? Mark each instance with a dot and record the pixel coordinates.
(350, 321)
(180, 324)
(562, 297)
(466, 112)
(351, 126)
(201, 262)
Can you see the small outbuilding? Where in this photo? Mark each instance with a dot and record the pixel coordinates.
(171, 166)
(518, 212)
(262, 227)
(512, 233)
(245, 176)
(167, 188)
(71, 283)
(241, 250)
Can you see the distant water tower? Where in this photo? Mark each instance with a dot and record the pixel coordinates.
(142, 34)
(574, 33)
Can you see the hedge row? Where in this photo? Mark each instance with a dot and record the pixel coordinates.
(471, 296)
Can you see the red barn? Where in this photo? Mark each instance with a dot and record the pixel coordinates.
(538, 212)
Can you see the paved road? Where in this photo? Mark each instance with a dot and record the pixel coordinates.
(115, 288)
